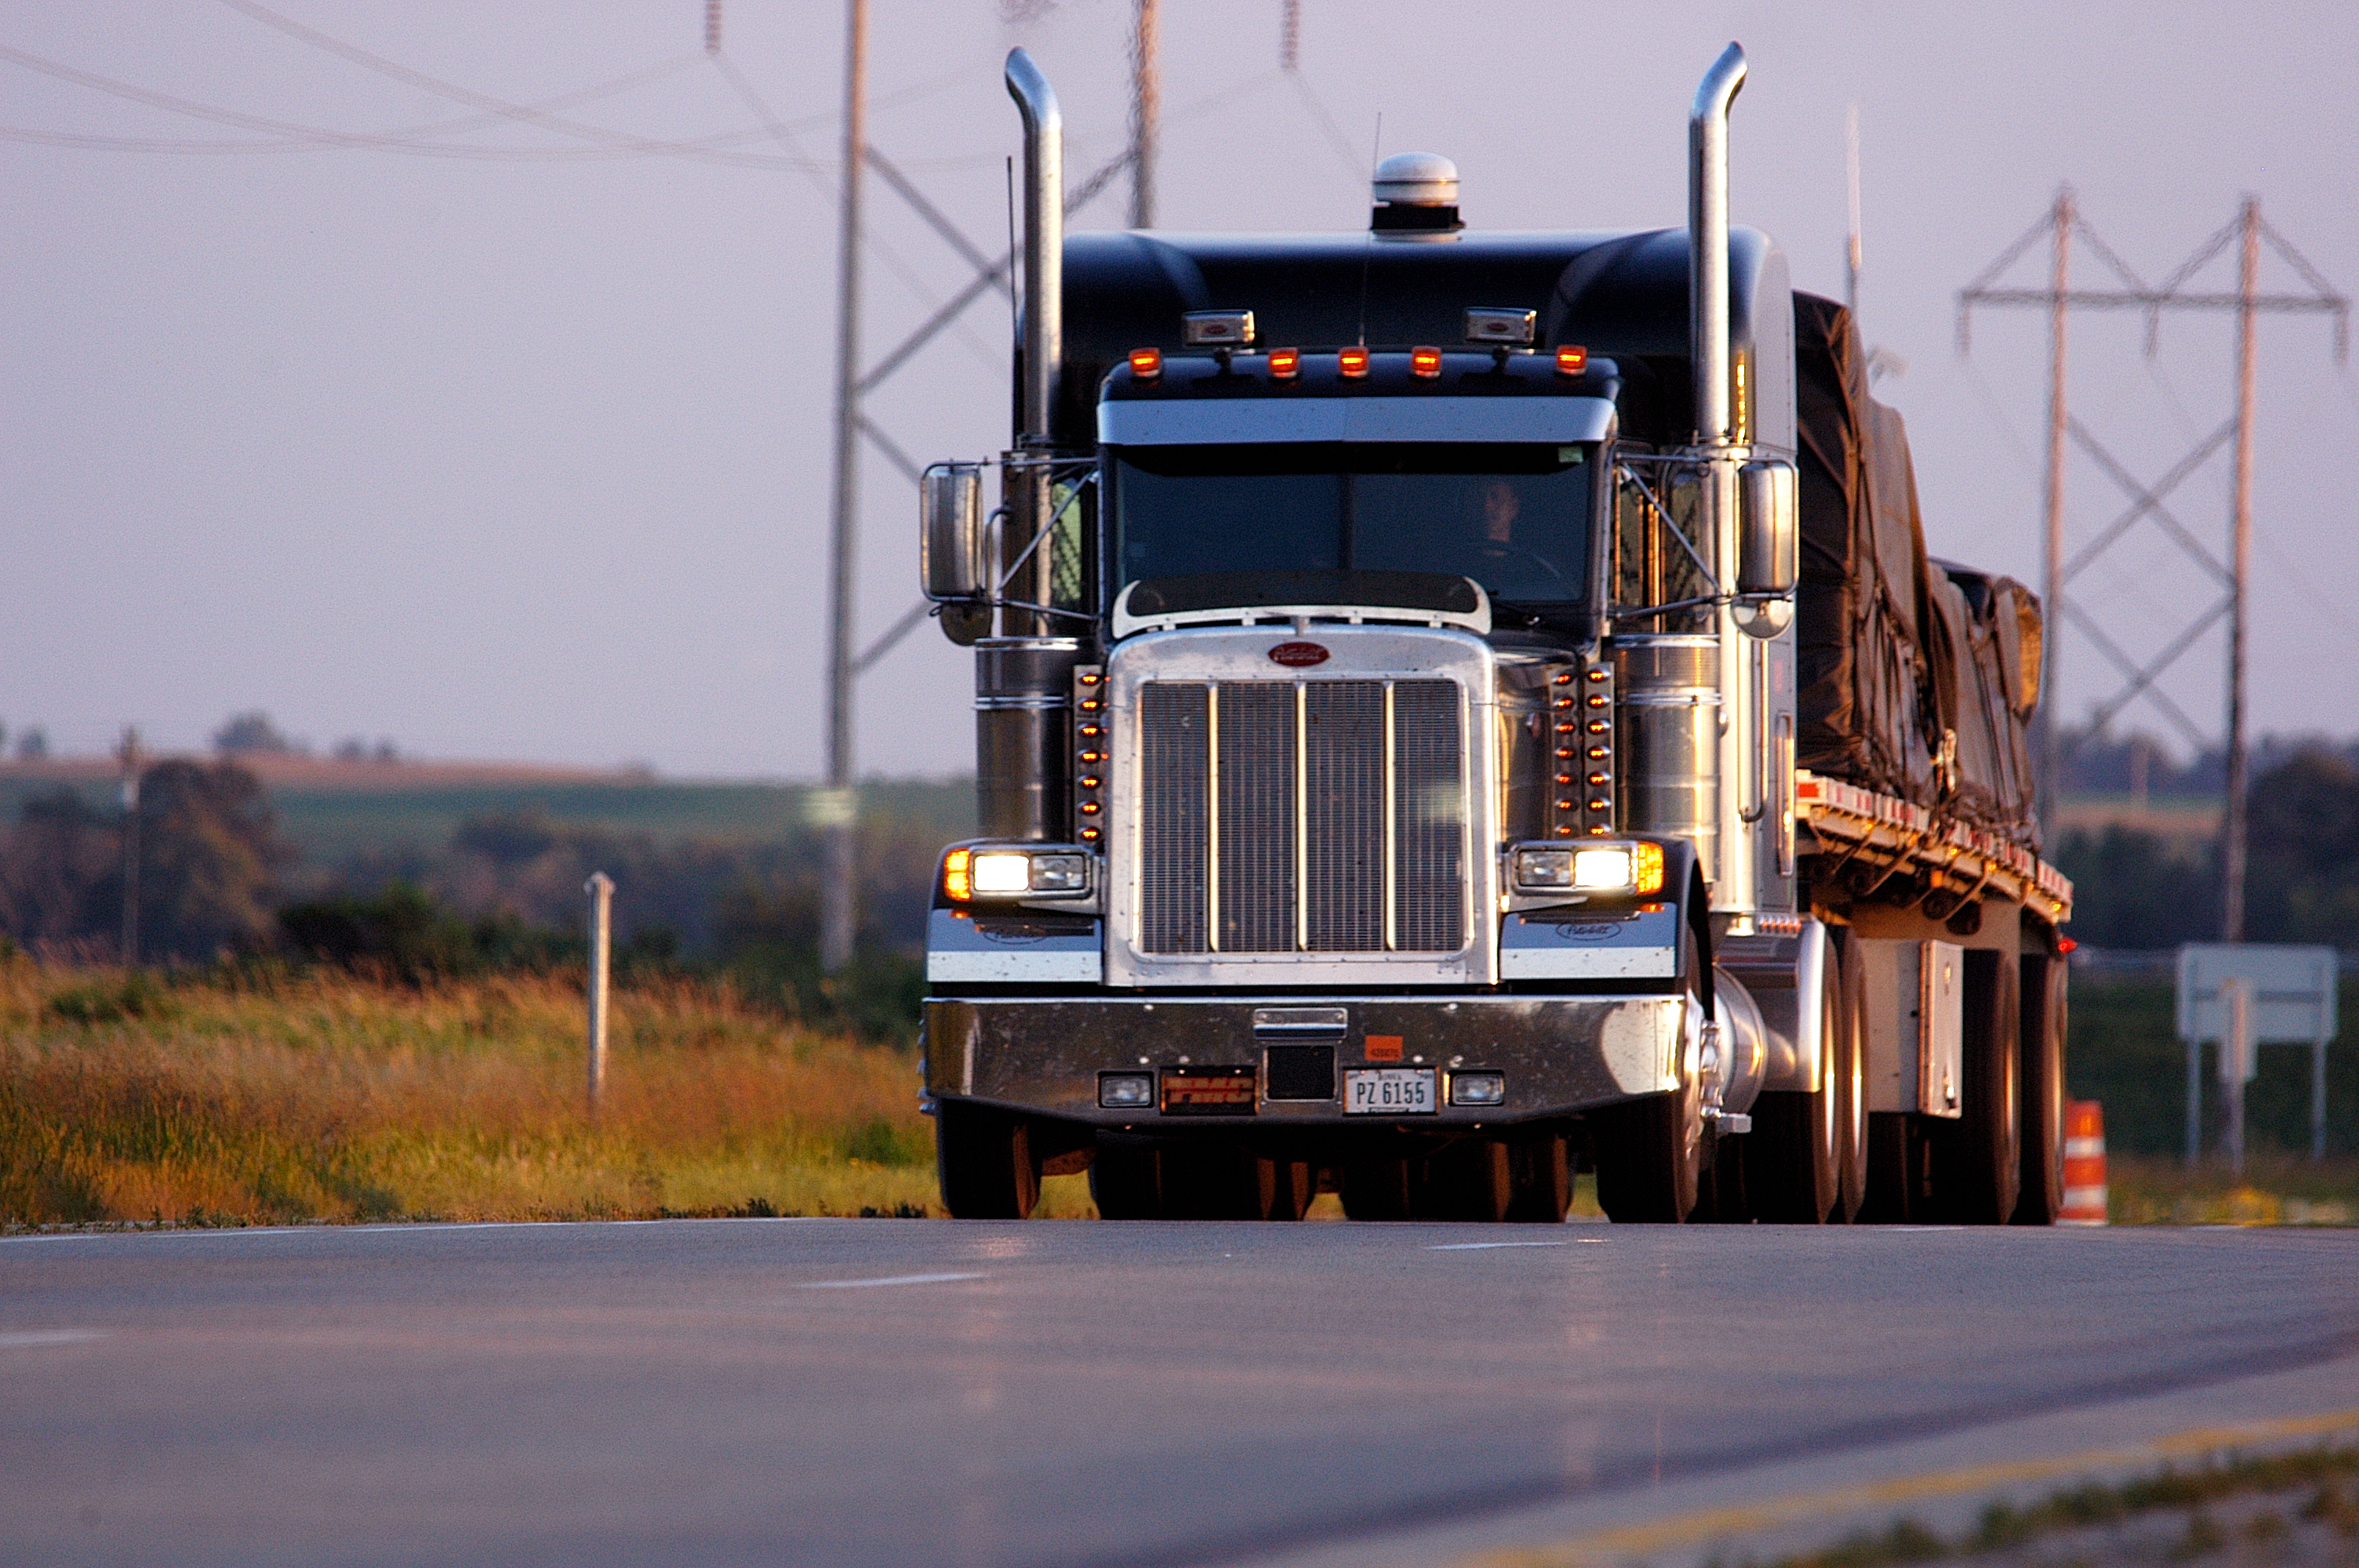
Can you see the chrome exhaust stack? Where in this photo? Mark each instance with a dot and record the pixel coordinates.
(1044, 242)
(1707, 245)
(1024, 676)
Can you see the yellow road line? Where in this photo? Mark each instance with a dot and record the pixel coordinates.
(1637, 1541)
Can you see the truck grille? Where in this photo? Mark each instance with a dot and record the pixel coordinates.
(1325, 817)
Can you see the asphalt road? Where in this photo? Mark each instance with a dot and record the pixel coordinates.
(912, 1392)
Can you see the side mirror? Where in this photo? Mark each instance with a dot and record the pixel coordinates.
(1767, 547)
(953, 562)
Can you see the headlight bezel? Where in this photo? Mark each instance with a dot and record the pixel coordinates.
(1612, 868)
(1055, 871)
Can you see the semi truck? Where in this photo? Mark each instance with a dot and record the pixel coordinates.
(1458, 708)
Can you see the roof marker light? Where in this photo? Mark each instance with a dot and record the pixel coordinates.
(1351, 363)
(1572, 360)
(1147, 365)
(1285, 365)
(1425, 364)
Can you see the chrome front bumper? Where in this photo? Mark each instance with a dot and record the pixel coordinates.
(1559, 1055)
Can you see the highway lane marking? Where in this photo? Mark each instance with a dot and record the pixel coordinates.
(33, 1338)
(1706, 1525)
(887, 1279)
(1491, 1246)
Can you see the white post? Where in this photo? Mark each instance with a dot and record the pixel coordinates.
(2235, 1063)
(600, 889)
(2318, 1098)
(2194, 1102)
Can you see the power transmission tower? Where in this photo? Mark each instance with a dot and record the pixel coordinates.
(129, 756)
(834, 813)
(834, 809)
(1145, 112)
(2248, 231)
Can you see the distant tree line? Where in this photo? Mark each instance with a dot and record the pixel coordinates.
(2138, 889)
(217, 880)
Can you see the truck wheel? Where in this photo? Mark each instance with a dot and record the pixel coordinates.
(1793, 1156)
(1213, 1182)
(1895, 1186)
(984, 1158)
(1650, 1150)
(1376, 1189)
(2043, 1197)
(1126, 1181)
(1296, 1183)
(1470, 1179)
(1978, 1158)
(1540, 1180)
(1851, 1075)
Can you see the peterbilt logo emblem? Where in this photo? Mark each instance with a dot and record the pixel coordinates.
(1299, 656)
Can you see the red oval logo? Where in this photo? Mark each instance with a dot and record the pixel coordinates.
(1299, 656)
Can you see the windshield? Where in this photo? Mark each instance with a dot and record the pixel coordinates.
(1516, 518)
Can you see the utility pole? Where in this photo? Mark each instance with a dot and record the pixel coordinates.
(835, 810)
(1145, 111)
(2051, 586)
(2148, 501)
(2231, 830)
(1851, 245)
(128, 754)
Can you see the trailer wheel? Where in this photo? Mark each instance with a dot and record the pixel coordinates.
(2044, 1004)
(1472, 1179)
(1216, 1181)
(1376, 1189)
(1126, 1181)
(985, 1160)
(1978, 1158)
(1650, 1150)
(1296, 1183)
(1540, 1180)
(1794, 1155)
(1850, 1081)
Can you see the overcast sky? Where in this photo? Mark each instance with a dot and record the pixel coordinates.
(368, 406)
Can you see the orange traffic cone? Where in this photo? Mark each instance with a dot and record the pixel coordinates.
(2084, 1164)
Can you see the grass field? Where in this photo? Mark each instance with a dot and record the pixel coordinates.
(275, 1096)
(266, 1095)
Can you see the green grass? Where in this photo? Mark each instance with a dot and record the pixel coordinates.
(2321, 1478)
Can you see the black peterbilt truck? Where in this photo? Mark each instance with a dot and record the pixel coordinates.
(1456, 708)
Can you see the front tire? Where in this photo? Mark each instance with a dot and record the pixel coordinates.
(2044, 1018)
(985, 1162)
(1650, 1150)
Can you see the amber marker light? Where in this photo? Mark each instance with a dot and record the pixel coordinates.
(1285, 365)
(1147, 365)
(1425, 364)
(1571, 359)
(1351, 363)
(958, 875)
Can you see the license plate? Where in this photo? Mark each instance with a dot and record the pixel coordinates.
(1388, 1091)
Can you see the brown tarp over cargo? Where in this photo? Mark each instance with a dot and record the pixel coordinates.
(1910, 673)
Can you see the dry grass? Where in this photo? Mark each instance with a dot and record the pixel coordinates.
(2276, 1188)
(278, 1096)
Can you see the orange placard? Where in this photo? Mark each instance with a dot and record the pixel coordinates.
(1383, 1047)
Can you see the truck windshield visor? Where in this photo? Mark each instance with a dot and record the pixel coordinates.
(1514, 517)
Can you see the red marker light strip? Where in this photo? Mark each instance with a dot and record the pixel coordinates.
(1147, 365)
(1285, 365)
(1352, 363)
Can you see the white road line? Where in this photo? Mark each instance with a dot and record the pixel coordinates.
(1491, 1246)
(887, 1279)
(33, 1338)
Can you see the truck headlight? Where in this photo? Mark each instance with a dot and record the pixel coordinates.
(1010, 872)
(1634, 867)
